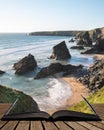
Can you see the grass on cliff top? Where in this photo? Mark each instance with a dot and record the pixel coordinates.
(97, 97)
(25, 102)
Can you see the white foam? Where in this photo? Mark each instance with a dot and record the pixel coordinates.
(57, 94)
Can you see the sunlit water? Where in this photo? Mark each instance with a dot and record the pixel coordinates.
(48, 92)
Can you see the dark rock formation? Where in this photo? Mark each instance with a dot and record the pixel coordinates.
(94, 79)
(71, 69)
(56, 68)
(94, 34)
(60, 52)
(84, 39)
(49, 70)
(90, 51)
(26, 64)
(98, 48)
(71, 40)
(2, 72)
(100, 44)
(77, 47)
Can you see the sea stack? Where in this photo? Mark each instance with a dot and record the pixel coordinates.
(25, 65)
(60, 52)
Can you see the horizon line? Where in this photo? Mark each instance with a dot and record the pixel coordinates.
(52, 30)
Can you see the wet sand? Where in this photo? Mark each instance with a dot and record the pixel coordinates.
(77, 88)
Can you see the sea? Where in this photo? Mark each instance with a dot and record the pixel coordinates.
(50, 93)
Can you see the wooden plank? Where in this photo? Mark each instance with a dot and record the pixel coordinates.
(62, 126)
(10, 125)
(89, 126)
(3, 108)
(76, 126)
(98, 124)
(99, 108)
(49, 125)
(23, 125)
(2, 123)
(36, 125)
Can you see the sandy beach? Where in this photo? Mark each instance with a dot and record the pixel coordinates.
(78, 88)
(99, 56)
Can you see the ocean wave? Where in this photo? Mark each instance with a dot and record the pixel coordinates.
(57, 94)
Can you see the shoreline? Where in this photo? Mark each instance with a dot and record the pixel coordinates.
(77, 88)
(98, 56)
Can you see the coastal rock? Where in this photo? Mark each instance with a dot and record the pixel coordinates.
(84, 39)
(85, 42)
(60, 52)
(90, 51)
(2, 72)
(71, 40)
(77, 47)
(94, 79)
(26, 64)
(98, 48)
(71, 69)
(94, 34)
(100, 44)
(49, 70)
(56, 68)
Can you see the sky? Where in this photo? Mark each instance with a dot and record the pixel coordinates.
(50, 15)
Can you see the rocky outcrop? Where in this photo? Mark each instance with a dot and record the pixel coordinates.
(25, 65)
(56, 68)
(100, 44)
(90, 51)
(94, 79)
(77, 47)
(84, 39)
(71, 40)
(60, 52)
(2, 72)
(49, 70)
(98, 48)
(94, 34)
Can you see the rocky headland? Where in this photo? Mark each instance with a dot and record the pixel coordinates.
(54, 33)
(93, 78)
(94, 39)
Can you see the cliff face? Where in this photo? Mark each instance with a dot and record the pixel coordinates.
(54, 33)
(93, 33)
